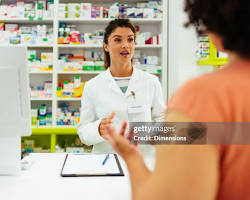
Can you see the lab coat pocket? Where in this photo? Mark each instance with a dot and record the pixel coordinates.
(139, 113)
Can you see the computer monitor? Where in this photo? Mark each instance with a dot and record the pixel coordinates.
(15, 120)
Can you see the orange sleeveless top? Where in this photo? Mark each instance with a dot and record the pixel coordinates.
(223, 96)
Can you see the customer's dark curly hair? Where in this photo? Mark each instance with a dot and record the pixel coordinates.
(227, 18)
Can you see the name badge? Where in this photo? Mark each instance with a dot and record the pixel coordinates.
(135, 108)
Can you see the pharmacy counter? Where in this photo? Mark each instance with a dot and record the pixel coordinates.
(43, 182)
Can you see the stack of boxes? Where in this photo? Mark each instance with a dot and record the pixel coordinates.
(152, 9)
(147, 38)
(68, 89)
(44, 64)
(29, 146)
(68, 34)
(66, 116)
(87, 60)
(41, 116)
(14, 34)
(146, 63)
(37, 10)
(203, 52)
(44, 91)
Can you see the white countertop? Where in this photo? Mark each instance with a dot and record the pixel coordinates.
(43, 182)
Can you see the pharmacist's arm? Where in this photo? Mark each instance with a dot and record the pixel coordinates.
(87, 129)
(181, 171)
(158, 104)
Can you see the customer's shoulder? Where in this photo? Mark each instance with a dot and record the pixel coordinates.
(211, 82)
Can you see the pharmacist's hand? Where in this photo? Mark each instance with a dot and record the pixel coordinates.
(105, 121)
(121, 144)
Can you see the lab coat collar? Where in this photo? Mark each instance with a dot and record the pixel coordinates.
(132, 83)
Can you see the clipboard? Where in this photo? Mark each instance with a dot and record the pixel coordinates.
(80, 165)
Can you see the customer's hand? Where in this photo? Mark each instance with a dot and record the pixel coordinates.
(105, 121)
(121, 144)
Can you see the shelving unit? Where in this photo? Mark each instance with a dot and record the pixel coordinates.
(32, 45)
(41, 72)
(100, 46)
(41, 99)
(99, 21)
(27, 21)
(82, 72)
(155, 26)
(68, 99)
(53, 132)
(213, 59)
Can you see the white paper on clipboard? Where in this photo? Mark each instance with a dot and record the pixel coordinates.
(90, 164)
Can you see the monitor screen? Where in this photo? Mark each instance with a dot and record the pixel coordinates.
(14, 91)
(15, 120)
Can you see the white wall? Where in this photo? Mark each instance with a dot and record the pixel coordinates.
(182, 46)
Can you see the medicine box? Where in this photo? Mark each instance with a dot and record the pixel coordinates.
(11, 27)
(61, 10)
(2, 26)
(86, 10)
(74, 10)
(3, 11)
(47, 57)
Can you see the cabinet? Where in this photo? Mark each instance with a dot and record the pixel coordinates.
(56, 74)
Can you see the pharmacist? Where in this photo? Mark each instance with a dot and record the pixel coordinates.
(120, 93)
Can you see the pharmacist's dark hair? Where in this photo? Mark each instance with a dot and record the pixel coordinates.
(109, 29)
(226, 18)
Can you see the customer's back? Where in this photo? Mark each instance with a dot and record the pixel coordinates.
(222, 97)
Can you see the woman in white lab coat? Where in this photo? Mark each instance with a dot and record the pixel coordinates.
(120, 93)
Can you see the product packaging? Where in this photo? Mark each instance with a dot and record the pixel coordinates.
(86, 10)
(74, 10)
(1, 26)
(114, 10)
(47, 57)
(62, 10)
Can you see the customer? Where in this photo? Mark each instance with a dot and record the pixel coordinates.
(120, 93)
(203, 172)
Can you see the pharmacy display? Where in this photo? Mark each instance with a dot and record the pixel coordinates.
(64, 42)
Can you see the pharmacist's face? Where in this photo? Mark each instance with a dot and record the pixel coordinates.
(121, 45)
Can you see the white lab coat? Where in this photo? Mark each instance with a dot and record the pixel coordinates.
(102, 95)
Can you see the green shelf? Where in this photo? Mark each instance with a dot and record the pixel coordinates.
(214, 62)
(53, 132)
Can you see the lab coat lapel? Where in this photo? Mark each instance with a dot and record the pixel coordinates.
(133, 83)
(112, 84)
